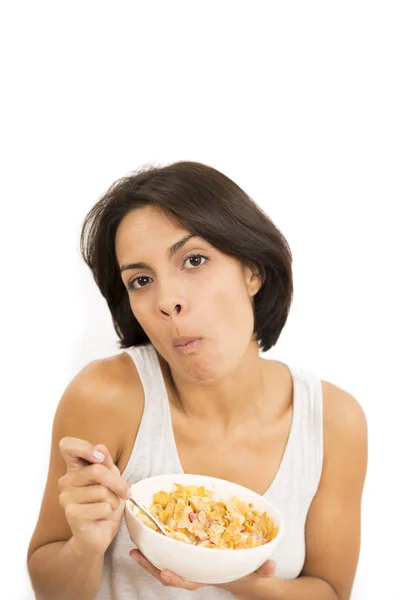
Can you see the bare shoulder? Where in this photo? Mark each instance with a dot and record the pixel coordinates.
(106, 395)
(345, 436)
(343, 413)
(112, 374)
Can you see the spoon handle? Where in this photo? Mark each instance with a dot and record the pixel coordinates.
(146, 512)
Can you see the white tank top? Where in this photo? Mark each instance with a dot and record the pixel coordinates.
(155, 453)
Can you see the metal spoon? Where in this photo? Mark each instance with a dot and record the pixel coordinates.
(146, 512)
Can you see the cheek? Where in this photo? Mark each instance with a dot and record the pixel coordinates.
(234, 311)
(141, 313)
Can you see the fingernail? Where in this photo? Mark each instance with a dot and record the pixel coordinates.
(166, 578)
(128, 494)
(98, 455)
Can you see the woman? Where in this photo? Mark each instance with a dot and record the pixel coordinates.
(198, 280)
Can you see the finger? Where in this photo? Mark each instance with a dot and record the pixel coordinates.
(241, 586)
(267, 569)
(143, 562)
(89, 495)
(108, 461)
(99, 474)
(175, 580)
(78, 453)
(167, 578)
(81, 513)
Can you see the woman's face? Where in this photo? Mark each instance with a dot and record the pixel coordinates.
(195, 291)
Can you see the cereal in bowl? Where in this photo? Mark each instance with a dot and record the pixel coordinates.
(190, 514)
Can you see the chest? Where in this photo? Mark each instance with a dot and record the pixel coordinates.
(250, 455)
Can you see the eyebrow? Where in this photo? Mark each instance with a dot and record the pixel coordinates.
(170, 252)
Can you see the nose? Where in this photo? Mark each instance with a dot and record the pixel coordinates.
(171, 306)
(173, 310)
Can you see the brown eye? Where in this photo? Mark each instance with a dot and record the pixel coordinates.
(196, 258)
(131, 284)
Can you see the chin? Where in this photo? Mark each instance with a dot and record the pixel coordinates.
(204, 371)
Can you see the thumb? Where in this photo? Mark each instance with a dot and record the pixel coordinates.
(78, 453)
(108, 461)
(267, 569)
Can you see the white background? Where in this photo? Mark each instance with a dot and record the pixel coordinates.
(298, 102)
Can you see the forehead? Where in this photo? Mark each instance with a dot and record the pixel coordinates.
(147, 218)
(146, 227)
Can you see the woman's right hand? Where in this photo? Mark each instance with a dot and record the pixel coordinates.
(91, 495)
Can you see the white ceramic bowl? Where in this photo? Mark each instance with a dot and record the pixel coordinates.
(196, 563)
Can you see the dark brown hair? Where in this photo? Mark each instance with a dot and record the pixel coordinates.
(209, 205)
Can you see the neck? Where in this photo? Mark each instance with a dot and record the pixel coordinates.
(229, 399)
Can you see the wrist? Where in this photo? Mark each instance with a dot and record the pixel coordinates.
(78, 552)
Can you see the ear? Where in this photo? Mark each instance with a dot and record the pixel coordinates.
(254, 278)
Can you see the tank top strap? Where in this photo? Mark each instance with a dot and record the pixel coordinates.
(153, 452)
(301, 467)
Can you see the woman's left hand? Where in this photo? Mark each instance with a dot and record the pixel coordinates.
(242, 587)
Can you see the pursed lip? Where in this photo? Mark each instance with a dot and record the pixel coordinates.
(184, 340)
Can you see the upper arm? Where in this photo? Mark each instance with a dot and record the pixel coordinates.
(89, 409)
(334, 519)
